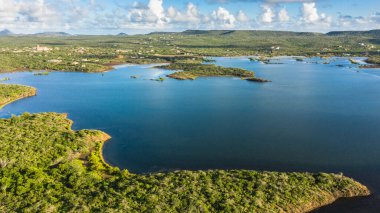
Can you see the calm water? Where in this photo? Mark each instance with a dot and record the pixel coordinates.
(312, 117)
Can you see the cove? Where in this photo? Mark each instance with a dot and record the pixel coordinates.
(312, 117)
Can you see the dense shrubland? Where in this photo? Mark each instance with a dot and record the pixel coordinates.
(194, 70)
(9, 93)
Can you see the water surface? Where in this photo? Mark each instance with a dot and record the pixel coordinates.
(312, 117)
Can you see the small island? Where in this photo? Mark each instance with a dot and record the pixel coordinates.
(10, 93)
(373, 62)
(191, 71)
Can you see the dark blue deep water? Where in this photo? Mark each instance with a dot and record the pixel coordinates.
(312, 117)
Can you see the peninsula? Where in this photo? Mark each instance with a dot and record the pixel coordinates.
(10, 93)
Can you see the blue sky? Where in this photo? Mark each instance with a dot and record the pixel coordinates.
(142, 16)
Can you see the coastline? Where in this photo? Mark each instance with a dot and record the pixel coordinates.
(320, 198)
(33, 93)
(106, 137)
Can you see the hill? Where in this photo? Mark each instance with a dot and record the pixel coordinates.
(355, 33)
(5, 32)
(52, 34)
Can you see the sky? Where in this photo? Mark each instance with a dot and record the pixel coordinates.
(144, 16)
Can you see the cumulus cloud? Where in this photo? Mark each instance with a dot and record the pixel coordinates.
(223, 17)
(147, 16)
(268, 14)
(21, 12)
(190, 16)
(310, 16)
(263, 1)
(358, 22)
(310, 13)
(143, 16)
(283, 15)
(242, 17)
(156, 8)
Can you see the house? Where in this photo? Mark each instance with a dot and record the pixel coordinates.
(41, 48)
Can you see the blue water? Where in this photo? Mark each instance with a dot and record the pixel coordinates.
(312, 117)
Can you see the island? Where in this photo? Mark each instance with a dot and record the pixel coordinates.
(48, 167)
(191, 71)
(10, 93)
(373, 62)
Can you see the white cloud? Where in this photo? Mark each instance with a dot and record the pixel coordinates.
(223, 18)
(190, 16)
(37, 15)
(310, 13)
(312, 19)
(358, 22)
(151, 15)
(268, 14)
(93, 16)
(242, 17)
(156, 8)
(283, 15)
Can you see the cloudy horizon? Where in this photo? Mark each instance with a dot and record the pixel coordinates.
(144, 16)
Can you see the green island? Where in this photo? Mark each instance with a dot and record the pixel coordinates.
(373, 62)
(48, 167)
(10, 93)
(192, 71)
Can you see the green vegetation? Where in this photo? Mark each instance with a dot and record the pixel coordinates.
(100, 53)
(158, 79)
(353, 61)
(195, 70)
(374, 62)
(41, 73)
(10, 93)
(47, 167)
(191, 71)
(5, 79)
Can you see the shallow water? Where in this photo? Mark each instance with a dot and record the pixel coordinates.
(312, 117)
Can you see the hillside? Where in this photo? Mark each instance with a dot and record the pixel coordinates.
(375, 33)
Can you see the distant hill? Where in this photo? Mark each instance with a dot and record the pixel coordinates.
(52, 34)
(247, 33)
(260, 33)
(122, 34)
(159, 33)
(355, 33)
(5, 32)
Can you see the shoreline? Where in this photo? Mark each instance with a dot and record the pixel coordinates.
(331, 198)
(34, 93)
(112, 66)
(323, 197)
